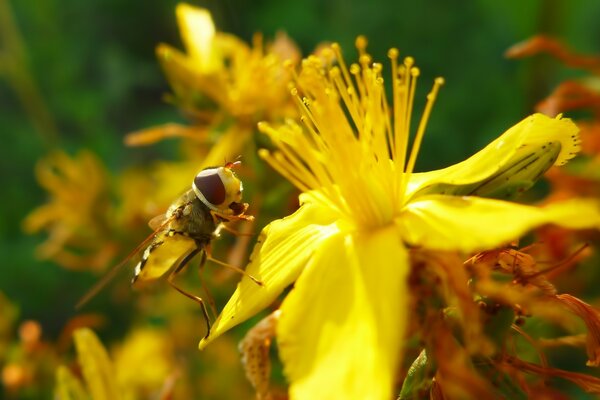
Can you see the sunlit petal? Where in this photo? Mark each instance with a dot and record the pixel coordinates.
(282, 251)
(341, 328)
(197, 32)
(526, 137)
(96, 367)
(472, 223)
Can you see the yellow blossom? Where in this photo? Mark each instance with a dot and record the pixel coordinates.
(144, 360)
(97, 370)
(221, 82)
(76, 213)
(341, 330)
(142, 366)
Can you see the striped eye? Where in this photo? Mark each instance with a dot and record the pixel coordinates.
(209, 184)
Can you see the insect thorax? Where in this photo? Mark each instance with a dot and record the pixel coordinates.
(192, 217)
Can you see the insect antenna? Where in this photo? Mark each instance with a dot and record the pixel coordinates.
(109, 276)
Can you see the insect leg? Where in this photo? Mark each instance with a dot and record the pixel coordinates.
(236, 269)
(209, 298)
(189, 295)
(235, 232)
(219, 217)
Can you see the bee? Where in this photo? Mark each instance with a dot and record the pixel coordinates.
(186, 230)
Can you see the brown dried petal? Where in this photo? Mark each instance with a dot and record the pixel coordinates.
(255, 354)
(591, 318)
(543, 44)
(589, 383)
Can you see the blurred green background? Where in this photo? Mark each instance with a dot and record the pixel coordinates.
(81, 74)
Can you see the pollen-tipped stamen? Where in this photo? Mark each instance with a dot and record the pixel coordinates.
(431, 97)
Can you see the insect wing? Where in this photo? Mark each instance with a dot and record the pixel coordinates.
(114, 270)
(157, 222)
(163, 254)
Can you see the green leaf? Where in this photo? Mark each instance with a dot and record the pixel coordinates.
(418, 378)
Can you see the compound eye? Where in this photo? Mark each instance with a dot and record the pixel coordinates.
(209, 184)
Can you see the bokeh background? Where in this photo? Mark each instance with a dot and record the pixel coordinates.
(77, 75)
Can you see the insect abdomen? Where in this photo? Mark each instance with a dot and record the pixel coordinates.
(165, 252)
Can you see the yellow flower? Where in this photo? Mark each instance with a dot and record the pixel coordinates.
(96, 368)
(144, 361)
(220, 80)
(142, 366)
(341, 329)
(76, 213)
(241, 79)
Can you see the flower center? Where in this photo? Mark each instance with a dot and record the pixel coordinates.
(352, 150)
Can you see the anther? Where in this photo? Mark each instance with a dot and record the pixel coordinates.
(364, 59)
(335, 72)
(393, 53)
(361, 43)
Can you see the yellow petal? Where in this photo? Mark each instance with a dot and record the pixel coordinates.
(67, 386)
(527, 136)
(197, 32)
(473, 223)
(342, 325)
(282, 250)
(97, 369)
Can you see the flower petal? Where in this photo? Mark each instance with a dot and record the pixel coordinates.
(342, 326)
(67, 386)
(96, 366)
(472, 223)
(518, 143)
(282, 250)
(197, 32)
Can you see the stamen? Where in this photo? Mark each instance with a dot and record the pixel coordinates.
(393, 55)
(361, 43)
(302, 105)
(282, 169)
(346, 93)
(342, 64)
(407, 86)
(422, 125)
(289, 65)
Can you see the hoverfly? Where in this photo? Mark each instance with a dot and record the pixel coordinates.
(186, 230)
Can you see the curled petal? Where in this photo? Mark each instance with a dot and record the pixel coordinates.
(518, 143)
(591, 318)
(341, 327)
(471, 223)
(282, 250)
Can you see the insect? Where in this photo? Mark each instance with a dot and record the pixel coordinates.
(186, 230)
